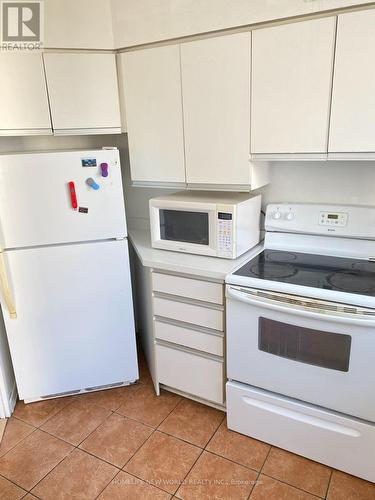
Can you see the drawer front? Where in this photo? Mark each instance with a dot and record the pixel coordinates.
(321, 435)
(187, 287)
(188, 337)
(189, 313)
(191, 373)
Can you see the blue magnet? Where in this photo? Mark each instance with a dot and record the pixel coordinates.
(90, 182)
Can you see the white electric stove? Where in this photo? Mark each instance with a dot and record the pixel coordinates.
(301, 336)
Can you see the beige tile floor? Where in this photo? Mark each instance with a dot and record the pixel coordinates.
(126, 443)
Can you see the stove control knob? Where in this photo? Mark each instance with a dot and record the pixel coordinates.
(290, 216)
(277, 215)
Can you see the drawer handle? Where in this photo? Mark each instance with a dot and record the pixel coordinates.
(301, 417)
(193, 352)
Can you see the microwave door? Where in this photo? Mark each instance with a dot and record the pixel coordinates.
(184, 226)
(184, 230)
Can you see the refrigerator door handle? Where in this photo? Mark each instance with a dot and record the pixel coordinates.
(5, 288)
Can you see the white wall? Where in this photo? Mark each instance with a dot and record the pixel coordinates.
(143, 21)
(325, 182)
(78, 24)
(42, 143)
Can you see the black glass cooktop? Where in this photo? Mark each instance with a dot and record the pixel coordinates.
(318, 271)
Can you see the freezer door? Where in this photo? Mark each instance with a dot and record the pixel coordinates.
(75, 327)
(36, 203)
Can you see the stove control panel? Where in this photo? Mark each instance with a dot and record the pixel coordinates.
(333, 219)
(351, 221)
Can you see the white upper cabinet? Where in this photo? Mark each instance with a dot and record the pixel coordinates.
(216, 99)
(353, 99)
(23, 95)
(152, 91)
(292, 68)
(83, 93)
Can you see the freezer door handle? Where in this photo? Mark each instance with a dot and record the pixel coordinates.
(5, 288)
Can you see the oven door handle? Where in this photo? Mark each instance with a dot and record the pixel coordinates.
(303, 310)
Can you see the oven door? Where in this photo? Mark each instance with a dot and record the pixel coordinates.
(186, 228)
(315, 351)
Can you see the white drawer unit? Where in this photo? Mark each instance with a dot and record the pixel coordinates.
(301, 428)
(188, 287)
(189, 312)
(191, 372)
(198, 338)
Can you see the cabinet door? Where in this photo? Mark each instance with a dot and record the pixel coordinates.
(23, 95)
(353, 99)
(216, 97)
(83, 93)
(152, 89)
(291, 87)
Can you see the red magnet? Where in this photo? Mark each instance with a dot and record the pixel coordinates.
(73, 196)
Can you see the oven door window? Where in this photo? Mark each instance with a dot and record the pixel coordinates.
(187, 227)
(315, 347)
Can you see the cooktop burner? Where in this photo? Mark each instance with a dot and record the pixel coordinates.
(273, 270)
(352, 282)
(317, 271)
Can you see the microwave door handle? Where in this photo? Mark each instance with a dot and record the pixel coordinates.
(272, 304)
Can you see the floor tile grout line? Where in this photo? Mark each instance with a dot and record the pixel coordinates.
(55, 414)
(215, 432)
(260, 471)
(187, 474)
(65, 440)
(22, 421)
(99, 458)
(170, 413)
(292, 486)
(53, 468)
(232, 461)
(15, 484)
(284, 482)
(180, 439)
(145, 481)
(185, 440)
(329, 484)
(19, 442)
(96, 428)
(75, 447)
(106, 486)
(71, 451)
(154, 429)
(104, 460)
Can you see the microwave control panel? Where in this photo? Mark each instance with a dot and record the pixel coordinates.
(225, 234)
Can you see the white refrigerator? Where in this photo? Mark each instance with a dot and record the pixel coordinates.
(65, 281)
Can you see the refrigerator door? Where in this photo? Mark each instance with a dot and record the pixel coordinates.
(36, 203)
(75, 327)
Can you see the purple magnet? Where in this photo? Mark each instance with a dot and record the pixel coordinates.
(104, 168)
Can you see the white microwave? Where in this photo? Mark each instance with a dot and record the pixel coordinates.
(205, 222)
